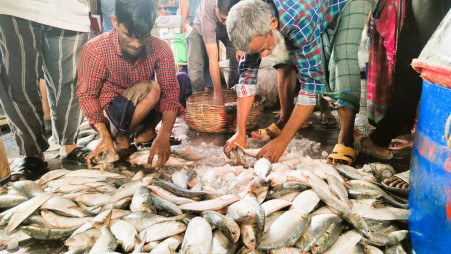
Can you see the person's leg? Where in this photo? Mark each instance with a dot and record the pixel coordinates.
(234, 75)
(407, 89)
(20, 41)
(60, 51)
(145, 96)
(196, 61)
(344, 83)
(327, 119)
(21, 101)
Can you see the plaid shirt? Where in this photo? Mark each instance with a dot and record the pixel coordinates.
(301, 22)
(103, 74)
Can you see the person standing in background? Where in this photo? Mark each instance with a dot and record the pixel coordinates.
(209, 26)
(36, 35)
(106, 8)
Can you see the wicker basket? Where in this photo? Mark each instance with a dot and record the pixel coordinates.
(203, 116)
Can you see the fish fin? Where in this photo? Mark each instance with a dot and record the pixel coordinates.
(92, 241)
(181, 216)
(96, 225)
(108, 219)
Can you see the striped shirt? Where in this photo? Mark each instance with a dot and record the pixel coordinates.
(301, 22)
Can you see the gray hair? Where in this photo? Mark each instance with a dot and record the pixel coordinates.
(247, 19)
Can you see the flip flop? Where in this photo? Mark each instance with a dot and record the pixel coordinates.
(77, 156)
(173, 141)
(398, 144)
(343, 153)
(31, 168)
(272, 131)
(402, 178)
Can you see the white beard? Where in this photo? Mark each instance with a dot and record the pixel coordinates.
(280, 51)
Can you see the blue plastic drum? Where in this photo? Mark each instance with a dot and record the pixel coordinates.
(430, 169)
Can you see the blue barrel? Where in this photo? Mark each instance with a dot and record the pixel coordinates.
(430, 173)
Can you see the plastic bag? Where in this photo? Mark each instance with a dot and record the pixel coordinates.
(364, 50)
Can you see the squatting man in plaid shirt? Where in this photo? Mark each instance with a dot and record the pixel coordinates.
(323, 38)
(117, 88)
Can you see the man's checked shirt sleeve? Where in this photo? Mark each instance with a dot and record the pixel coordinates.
(91, 73)
(248, 68)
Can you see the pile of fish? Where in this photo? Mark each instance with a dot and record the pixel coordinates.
(299, 205)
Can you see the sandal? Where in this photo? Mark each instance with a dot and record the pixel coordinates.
(173, 141)
(398, 144)
(272, 131)
(328, 121)
(398, 184)
(77, 156)
(345, 155)
(31, 168)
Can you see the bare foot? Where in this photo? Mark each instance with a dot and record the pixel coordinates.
(370, 145)
(122, 141)
(145, 136)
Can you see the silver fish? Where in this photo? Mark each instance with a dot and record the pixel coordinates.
(221, 244)
(63, 222)
(340, 207)
(143, 220)
(285, 230)
(372, 250)
(169, 196)
(166, 205)
(211, 205)
(63, 206)
(180, 179)
(106, 242)
(28, 188)
(345, 242)
(168, 246)
(274, 205)
(53, 174)
(8, 201)
(319, 224)
(226, 225)
(389, 238)
(24, 210)
(162, 231)
(46, 233)
(125, 233)
(328, 238)
(306, 201)
(177, 190)
(142, 201)
(338, 188)
(197, 238)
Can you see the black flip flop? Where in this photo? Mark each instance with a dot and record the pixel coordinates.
(172, 141)
(31, 168)
(77, 156)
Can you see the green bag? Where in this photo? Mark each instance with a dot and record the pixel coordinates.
(180, 48)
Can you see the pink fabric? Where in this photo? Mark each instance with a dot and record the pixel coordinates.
(382, 60)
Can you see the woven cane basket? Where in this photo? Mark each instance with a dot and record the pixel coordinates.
(203, 116)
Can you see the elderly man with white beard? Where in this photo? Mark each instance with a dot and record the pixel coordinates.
(323, 38)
